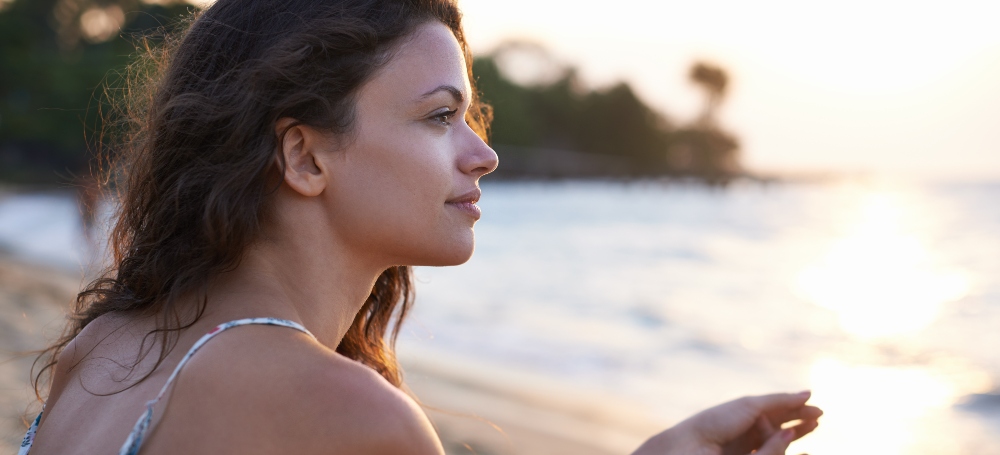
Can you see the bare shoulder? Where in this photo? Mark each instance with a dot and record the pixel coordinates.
(380, 416)
(101, 332)
(108, 344)
(264, 389)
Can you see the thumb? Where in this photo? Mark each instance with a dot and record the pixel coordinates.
(777, 443)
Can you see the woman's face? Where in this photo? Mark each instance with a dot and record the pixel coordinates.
(406, 181)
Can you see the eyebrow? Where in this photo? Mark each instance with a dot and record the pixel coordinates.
(455, 93)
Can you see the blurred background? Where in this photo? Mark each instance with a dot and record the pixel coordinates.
(696, 201)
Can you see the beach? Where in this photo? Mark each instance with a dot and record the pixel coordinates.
(595, 314)
(33, 301)
(472, 417)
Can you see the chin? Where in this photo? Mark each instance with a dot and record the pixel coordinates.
(456, 257)
(456, 252)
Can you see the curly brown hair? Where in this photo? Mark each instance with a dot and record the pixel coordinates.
(197, 159)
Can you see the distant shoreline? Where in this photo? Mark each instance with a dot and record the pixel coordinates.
(753, 177)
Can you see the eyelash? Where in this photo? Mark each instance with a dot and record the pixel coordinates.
(444, 118)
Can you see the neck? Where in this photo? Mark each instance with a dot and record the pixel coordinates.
(290, 279)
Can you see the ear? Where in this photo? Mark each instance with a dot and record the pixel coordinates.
(299, 146)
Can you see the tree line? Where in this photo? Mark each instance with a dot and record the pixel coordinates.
(57, 57)
(613, 129)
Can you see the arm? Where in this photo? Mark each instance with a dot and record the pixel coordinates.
(738, 428)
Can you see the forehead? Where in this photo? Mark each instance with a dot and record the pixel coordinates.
(429, 58)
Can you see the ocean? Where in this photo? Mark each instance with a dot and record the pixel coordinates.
(882, 297)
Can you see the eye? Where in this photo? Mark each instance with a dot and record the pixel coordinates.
(444, 118)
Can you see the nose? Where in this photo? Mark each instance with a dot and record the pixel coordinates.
(479, 158)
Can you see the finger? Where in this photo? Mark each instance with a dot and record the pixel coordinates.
(779, 402)
(777, 443)
(803, 413)
(810, 413)
(804, 428)
(725, 422)
(755, 436)
(765, 428)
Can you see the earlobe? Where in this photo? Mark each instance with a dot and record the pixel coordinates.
(298, 145)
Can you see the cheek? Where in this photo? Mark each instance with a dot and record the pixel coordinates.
(390, 201)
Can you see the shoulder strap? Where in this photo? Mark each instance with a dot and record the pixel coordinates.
(134, 441)
(29, 437)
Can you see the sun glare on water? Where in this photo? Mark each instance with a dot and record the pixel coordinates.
(880, 279)
(889, 410)
(884, 281)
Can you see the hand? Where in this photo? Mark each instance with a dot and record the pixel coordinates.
(739, 427)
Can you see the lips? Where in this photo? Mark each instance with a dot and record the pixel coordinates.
(470, 197)
(467, 203)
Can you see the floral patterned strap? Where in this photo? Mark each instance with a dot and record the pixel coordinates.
(29, 437)
(134, 441)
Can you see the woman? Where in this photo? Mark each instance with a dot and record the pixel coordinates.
(292, 160)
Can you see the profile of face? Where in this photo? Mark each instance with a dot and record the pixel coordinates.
(404, 184)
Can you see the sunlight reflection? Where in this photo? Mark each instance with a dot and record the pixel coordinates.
(885, 410)
(880, 279)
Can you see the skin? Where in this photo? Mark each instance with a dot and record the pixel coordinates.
(396, 191)
(390, 194)
(739, 427)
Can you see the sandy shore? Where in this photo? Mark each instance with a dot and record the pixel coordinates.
(476, 409)
(32, 304)
(479, 408)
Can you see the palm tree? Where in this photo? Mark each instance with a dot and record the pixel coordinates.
(714, 80)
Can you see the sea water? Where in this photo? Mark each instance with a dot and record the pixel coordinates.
(882, 298)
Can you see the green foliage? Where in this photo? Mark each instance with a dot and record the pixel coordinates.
(52, 100)
(714, 81)
(617, 122)
(518, 123)
(704, 151)
(611, 129)
(51, 90)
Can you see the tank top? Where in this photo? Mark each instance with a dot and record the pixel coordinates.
(134, 441)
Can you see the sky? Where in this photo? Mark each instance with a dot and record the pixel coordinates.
(867, 86)
(898, 87)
